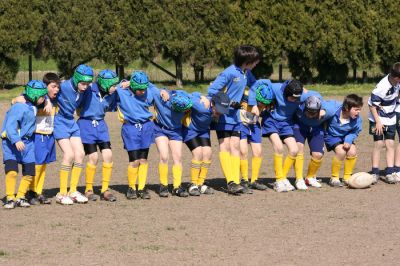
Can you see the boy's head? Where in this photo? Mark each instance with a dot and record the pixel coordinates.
(264, 94)
(83, 76)
(107, 79)
(395, 72)
(35, 91)
(139, 83)
(52, 80)
(246, 56)
(220, 103)
(352, 105)
(293, 89)
(181, 101)
(312, 107)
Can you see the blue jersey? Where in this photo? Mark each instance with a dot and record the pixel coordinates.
(19, 122)
(164, 115)
(93, 105)
(349, 130)
(199, 118)
(131, 108)
(68, 99)
(233, 81)
(285, 110)
(330, 108)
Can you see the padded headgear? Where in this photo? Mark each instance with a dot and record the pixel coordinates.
(34, 90)
(83, 73)
(264, 93)
(139, 81)
(181, 101)
(106, 79)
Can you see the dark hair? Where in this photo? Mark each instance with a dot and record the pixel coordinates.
(352, 100)
(395, 70)
(293, 87)
(245, 54)
(51, 77)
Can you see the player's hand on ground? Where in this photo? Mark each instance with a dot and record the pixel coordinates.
(164, 95)
(20, 145)
(205, 101)
(255, 111)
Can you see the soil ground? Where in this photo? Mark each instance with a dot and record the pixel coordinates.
(320, 226)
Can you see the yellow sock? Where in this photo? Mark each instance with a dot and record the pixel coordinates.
(349, 164)
(225, 160)
(313, 167)
(195, 171)
(278, 160)
(244, 169)
(143, 169)
(203, 172)
(163, 172)
(235, 164)
(64, 174)
(90, 172)
(39, 178)
(176, 175)
(336, 165)
(298, 166)
(24, 186)
(132, 176)
(255, 168)
(75, 175)
(11, 182)
(287, 164)
(107, 170)
(35, 179)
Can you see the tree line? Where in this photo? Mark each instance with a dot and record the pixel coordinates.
(320, 40)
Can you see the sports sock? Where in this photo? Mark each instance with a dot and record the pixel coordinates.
(349, 164)
(244, 169)
(255, 168)
(39, 178)
(313, 167)
(278, 160)
(132, 176)
(195, 171)
(205, 165)
(163, 172)
(90, 172)
(287, 164)
(389, 170)
(64, 174)
(11, 182)
(375, 170)
(235, 165)
(107, 170)
(35, 179)
(75, 175)
(225, 160)
(336, 165)
(142, 175)
(176, 175)
(298, 166)
(24, 186)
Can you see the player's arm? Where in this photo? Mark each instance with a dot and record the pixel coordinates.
(15, 117)
(219, 83)
(353, 134)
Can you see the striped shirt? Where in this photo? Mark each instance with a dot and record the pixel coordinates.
(384, 98)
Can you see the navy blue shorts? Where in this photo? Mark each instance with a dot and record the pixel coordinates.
(93, 131)
(313, 135)
(283, 128)
(251, 132)
(189, 134)
(45, 149)
(332, 142)
(137, 136)
(65, 128)
(171, 134)
(26, 156)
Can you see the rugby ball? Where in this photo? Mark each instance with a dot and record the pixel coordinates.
(360, 180)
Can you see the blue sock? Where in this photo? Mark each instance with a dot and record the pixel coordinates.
(397, 168)
(390, 170)
(375, 170)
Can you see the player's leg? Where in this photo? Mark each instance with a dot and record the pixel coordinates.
(349, 163)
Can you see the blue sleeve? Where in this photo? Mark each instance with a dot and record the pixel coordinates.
(111, 102)
(331, 108)
(349, 138)
(252, 94)
(219, 83)
(196, 94)
(14, 118)
(153, 92)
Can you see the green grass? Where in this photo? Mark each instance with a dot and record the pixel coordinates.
(342, 90)
(8, 94)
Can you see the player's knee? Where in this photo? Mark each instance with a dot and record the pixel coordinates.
(317, 155)
(93, 158)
